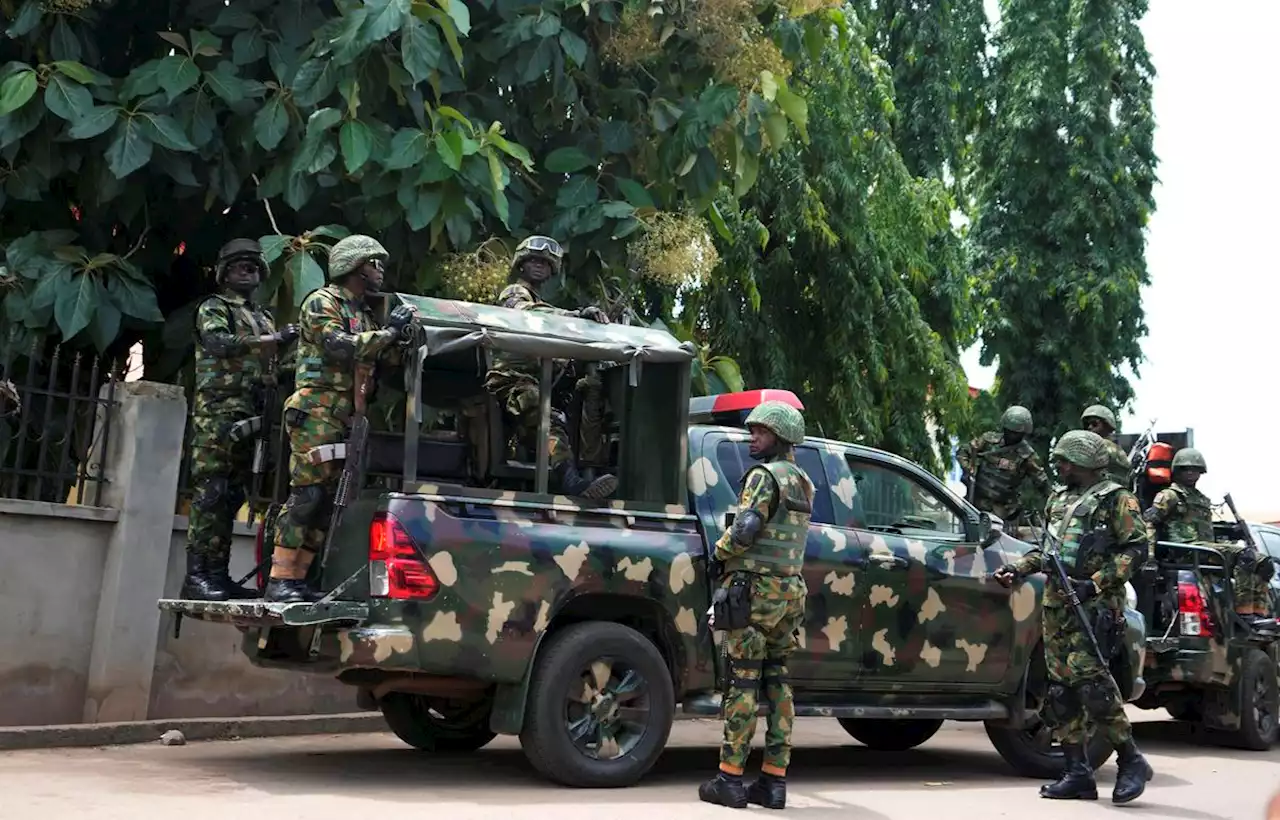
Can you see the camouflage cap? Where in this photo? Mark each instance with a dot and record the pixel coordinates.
(1189, 457)
(350, 253)
(1082, 448)
(1017, 419)
(238, 249)
(1097, 411)
(785, 421)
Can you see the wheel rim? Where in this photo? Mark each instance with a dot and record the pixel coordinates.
(607, 709)
(1264, 713)
(452, 717)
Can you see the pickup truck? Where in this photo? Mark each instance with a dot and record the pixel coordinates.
(466, 601)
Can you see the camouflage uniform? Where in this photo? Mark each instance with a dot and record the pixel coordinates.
(1118, 468)
(1102, 540)
(767, 542)
(998, 468)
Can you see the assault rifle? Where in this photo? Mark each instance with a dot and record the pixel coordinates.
(1245, 532)
(1049, 546)
(271, 387)
(1139, 448)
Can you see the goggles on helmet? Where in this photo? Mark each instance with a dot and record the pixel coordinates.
(544, 244)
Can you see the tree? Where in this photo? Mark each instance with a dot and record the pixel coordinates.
(1065, 191)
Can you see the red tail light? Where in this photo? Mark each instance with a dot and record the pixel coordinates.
(1193, 612)
(396, 568)
(260, 555)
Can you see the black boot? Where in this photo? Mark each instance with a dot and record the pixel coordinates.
(289, 591)
(218, 571)
(724, 790)
(201, 584)
(1077, 781)
(769, 791)
(573, 483)
(1135, 771)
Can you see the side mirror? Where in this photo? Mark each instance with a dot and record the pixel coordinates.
(983, 532)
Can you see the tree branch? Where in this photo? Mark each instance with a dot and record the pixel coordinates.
(266, 203)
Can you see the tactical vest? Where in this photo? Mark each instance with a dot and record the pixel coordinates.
(1076, 524)
(1192, 521)
(1118, 467)
(235, 376)
(779, 549)
(315, 370)
(998, 472)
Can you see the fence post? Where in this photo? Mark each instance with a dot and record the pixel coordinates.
(141, 464)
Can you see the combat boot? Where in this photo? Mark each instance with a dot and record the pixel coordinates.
(724, 790)
(1077, 781)
(219, 572)
(1134, 772)
(289, 591)
(769, 791)
(201, 584)
(573, 483)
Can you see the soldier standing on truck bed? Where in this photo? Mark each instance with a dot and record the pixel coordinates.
(339, 333)
(513, 381)
(1100, 420)
(1099, 525)
(761, 605)
(237, 345)
(996, 466)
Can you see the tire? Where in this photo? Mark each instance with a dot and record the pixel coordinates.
(1032, 754)
(635, 680)
(436, 724)
(1189, 710)
(1258, 702)
(890, 735)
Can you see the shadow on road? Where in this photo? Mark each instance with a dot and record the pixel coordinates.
(1180, 739)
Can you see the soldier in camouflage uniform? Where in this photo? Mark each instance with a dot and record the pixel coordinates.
(1099, 526)
(1182, 514)
(1100, 420)
(766, 544)
(513, 381)
(996, 466)
(340, 337)
(236, 343)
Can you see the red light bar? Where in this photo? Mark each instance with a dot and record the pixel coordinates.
(750, 399)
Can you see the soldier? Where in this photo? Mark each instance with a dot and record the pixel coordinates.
(513, 381)
(237, 343)
(339, 333)
(1100, 420)
(762, 555)
(996, 465)
(1099, 526)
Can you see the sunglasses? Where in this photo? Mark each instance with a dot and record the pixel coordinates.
(544, 244)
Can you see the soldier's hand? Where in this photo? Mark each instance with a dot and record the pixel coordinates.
(594, 314)
(1085, 589)
(1005, 576)
(287, 334)
(401, 316)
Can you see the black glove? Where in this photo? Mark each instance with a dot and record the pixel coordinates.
(286, 334)
(715, 567)
(1085, 589)
(594, 314)
(1005, 573)
(400, 317)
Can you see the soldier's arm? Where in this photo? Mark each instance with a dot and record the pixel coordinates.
(1029, 564)
(213, 324)
(756, 506)
(1034, 471)
(322, 321)
(518, 298)
(1129, 545)
(1161, 508)
(968, 454)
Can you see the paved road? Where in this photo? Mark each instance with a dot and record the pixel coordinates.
(955, 776)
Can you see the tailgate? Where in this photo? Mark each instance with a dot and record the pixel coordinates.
(266, 614)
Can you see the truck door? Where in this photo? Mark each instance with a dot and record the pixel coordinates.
(929, 611)
(829, 649)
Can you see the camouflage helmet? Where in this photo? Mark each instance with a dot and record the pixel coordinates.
(1189, 457)
(1097, 411)
(1082, 448)
(235, 250)
(10, 401)
(349, 254)
(1017, 419)
(541, 247)
(782, 419)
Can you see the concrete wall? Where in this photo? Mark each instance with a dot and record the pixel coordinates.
(81, 639)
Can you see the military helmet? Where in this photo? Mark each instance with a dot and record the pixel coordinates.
(235, 250)
(349, 254)
(785, 421)
(543, 247)
(1082, 448)
(1097, 411)
(1189, 457)
(1017, 419)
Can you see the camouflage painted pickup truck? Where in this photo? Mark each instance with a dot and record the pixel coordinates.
(465, 601)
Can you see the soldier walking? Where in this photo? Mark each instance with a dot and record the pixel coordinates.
(338, 335)
(1100, 420)
(1098, 525)
(237, 344)
(996, 466)
(762, 596)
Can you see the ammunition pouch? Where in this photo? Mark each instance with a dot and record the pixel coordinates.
(1095, 542)
(731, 605)
(1061, 704)
(245, 429)
(1108, 628)
(739, 681)
(1095, 696)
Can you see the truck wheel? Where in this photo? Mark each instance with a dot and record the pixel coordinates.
(889, 735)
(1258, 702)
(1189, 710)
(437, 724)
(600, 706)
(1032, 752)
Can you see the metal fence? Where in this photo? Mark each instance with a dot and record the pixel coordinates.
(52, 443)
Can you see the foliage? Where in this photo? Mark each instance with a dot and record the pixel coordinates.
(1066, 179)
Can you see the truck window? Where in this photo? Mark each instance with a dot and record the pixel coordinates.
(1271, 545)
(888, 499)
(735, 459)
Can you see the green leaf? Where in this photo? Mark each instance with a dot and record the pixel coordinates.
(75, 71)
(615, 209)
(459, 13)
(305, 274)
(26, 21)
(717, 220)
(635, 193)
(176, 74)
(578, 192)
(66, 99)
(315, 80)
(95, 122)
(575, 48)
(235, 19)
(224, 82)
(357, 143)
(664, 114)
(326, 152)
(17, 90)
(566, 160)
(75, 303)
(135, 298)
(423, 207)
(52, 282)
(408, 148)
(322, 120)
(129, 150)
(796, 109)
(746, 172)
(204, 44)
(165, 131)
(175, 39)
(105, 325)
(420, 49)
(271, 123)
(768, 85)
(384, 18)
(248, 47)
(331, 231)
(449, 147)
(141, 81)
(729, 373)
(273, 245)
(775, 129)
(511, 149)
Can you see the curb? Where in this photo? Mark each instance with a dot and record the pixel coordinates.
(149, 731)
